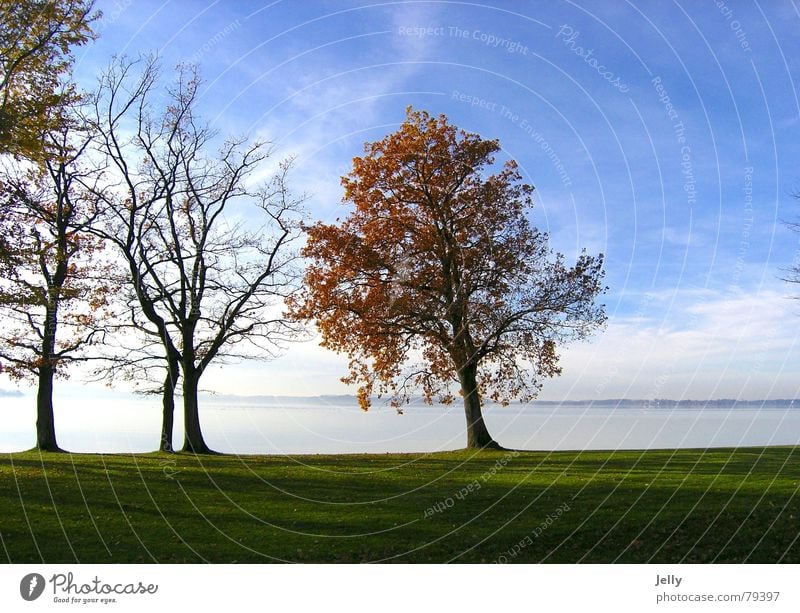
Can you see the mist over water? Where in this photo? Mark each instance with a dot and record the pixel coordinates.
(122, 423)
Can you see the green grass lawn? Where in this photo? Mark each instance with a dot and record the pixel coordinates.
(721, 505)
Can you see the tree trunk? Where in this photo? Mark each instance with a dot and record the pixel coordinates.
(45, 421)
(168, 403)
(478, 436)
(193, 437)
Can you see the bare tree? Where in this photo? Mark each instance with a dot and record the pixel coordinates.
(133, 352)
(792, 273)
(209, 259)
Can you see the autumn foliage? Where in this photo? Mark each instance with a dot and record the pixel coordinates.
(55, 293)
(36, 39)
(436, 277)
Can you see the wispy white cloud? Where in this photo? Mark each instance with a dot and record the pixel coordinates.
(708, 344)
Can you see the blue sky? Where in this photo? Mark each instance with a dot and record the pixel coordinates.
(684, 196)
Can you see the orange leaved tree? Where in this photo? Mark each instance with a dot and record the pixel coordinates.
(436, 277)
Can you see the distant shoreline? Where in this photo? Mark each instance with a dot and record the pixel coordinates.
(666, 403)
(350, 399)
(658, 403)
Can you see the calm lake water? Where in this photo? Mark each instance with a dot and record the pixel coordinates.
(124, 423)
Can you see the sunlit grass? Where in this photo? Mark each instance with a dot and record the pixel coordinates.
(721, 505)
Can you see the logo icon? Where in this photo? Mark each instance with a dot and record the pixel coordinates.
(31, 586)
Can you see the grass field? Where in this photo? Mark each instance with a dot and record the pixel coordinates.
(722, 505)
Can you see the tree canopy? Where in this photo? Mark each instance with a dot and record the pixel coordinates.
(208, 256)
(436, 275)
(36, 37)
